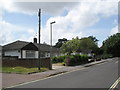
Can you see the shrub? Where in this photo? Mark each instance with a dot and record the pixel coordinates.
(84, 58)
(58, 59)
(76, 59)
(54, 60)
(71, 60)
(105, 56)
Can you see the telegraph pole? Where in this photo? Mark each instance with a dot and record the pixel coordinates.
(39, 61)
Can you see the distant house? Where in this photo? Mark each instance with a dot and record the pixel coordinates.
(88, 52)
(24, 49)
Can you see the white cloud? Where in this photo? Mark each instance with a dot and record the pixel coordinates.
(79, 18)
(56, 7)
(10, 33)
(114, 30)
(32, 7)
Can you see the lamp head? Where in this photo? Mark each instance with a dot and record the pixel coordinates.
(52, 22)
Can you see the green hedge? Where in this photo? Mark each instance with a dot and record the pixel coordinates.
(76, 59)
(104, 56)
(71, 59)
(58, 59)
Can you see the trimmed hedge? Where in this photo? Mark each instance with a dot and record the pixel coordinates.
(71, 60)
(76, 60)
(104, 56)
(58, 59)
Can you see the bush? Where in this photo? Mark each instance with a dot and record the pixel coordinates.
(106, 56)
(71, 60)
(84, 58)
(54, 60)
(76, 59)
(58, 59)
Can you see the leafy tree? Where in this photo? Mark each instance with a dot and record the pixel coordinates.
(60, 42)
(94, 39)
(79, 44)
(70, 46)
(112, 45)
(88, 43)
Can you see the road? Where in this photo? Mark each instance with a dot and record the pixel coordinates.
(97, 76)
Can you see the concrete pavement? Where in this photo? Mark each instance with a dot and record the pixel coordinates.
(15, 79)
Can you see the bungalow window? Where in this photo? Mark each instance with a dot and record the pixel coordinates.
(30, 54)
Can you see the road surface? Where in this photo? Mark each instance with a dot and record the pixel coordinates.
(101, 75)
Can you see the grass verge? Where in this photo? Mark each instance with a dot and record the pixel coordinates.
(22, 70)
(59, 64)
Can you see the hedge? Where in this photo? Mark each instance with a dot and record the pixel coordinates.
(71, 60)
(76, 59)
(58, 59)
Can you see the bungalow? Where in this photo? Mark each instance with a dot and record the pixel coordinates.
(24, 49)
(88, 52)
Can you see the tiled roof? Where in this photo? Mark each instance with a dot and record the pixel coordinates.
(17, 45)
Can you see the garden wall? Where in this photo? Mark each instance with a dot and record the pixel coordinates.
(29, 63)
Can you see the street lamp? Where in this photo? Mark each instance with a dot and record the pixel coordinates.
(51, 42)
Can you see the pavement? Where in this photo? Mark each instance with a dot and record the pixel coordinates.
(9, 80)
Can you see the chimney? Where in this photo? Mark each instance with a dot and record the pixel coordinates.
(35, 40)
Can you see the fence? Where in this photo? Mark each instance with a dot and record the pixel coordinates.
(29, 63)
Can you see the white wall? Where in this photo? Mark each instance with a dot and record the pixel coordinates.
(13, 53)
(23, 53)
(36, 54)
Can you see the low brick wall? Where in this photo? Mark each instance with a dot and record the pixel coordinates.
(29, 63)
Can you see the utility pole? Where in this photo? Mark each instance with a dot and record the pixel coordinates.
(39, 61)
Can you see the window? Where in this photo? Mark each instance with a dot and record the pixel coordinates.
(30, 54)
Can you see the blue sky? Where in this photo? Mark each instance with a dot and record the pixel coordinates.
(82, 19)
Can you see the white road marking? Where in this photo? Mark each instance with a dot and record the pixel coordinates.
(115, 84)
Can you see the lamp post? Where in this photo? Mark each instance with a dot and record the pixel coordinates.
(51, 43)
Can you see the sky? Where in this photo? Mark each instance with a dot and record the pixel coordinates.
(83, 18)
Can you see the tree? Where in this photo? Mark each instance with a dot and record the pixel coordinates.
(79, 44)
(112, 45)
(60, 42)
(94, 39)
(70, 46)
(88, 43)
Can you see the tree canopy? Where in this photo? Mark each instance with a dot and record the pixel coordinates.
(112, 45)
(79, 44)
(60, 42)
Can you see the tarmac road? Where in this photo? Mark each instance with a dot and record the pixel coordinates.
(101, 75)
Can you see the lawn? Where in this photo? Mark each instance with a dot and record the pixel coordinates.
(22, 70)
